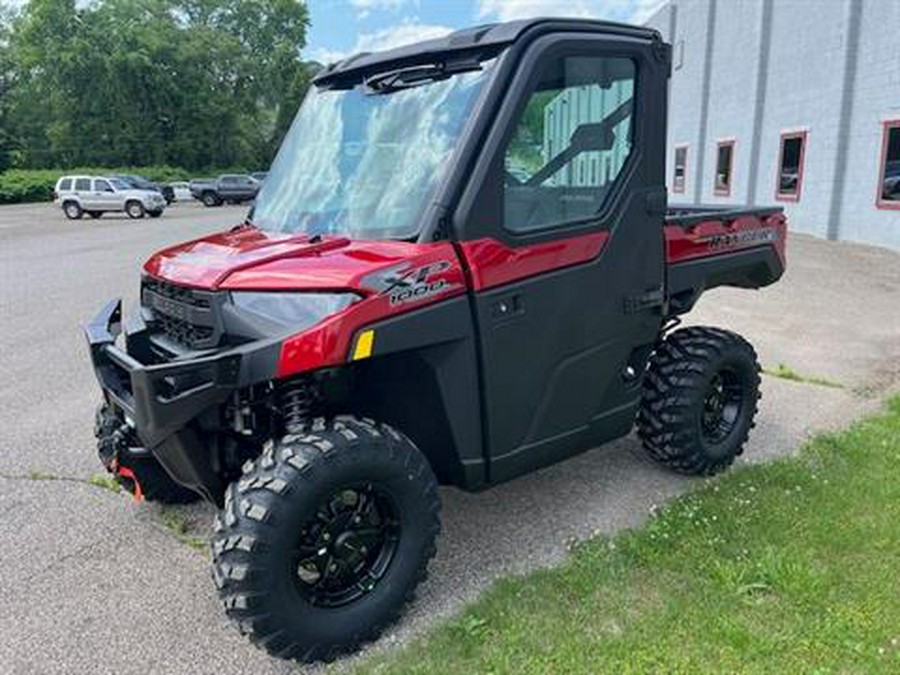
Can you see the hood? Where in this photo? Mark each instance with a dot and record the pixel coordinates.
(250, 259)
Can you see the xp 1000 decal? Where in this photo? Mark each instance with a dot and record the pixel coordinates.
(403, 285)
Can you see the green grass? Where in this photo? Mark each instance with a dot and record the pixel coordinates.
(788, 373)
(178, 522)
(790, 567)
(105, 481)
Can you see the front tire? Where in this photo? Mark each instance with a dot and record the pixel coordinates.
(134, 209)
(699, 399)
(325, 538)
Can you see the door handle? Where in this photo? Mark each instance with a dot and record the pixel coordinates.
(650, 299)
(507, 306)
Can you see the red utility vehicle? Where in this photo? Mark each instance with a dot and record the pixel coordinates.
(461, 268)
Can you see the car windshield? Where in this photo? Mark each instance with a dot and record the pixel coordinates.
(138, 182)
(365, 162)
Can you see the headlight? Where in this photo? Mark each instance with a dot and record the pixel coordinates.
(295, 310)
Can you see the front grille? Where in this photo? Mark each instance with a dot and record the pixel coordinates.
(188, 296)
(182, 332)
(184, 315)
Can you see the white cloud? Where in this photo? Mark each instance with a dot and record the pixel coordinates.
(401, 34)
(404, 33)
(630, 11)
(365, 7)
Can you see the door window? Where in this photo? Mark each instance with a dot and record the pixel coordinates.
(102, 186)
(570, 143)
(83, 184)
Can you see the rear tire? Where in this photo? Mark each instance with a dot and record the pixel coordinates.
(699, 400)
(325, 538)
(72, 210)
(134, 209)
(210, 199)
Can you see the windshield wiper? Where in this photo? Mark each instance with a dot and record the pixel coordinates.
(414, 76)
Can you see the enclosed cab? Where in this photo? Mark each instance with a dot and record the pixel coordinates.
(461, 267)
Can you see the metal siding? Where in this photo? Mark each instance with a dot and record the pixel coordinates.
(803, 88)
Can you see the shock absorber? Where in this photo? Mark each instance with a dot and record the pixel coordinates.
(298, 400)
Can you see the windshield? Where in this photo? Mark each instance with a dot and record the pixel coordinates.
(365, 162)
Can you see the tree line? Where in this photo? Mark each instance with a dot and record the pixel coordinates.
(189, 83)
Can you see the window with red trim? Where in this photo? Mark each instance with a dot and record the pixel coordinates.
(680, 171)
(889, 176)
(724, 163)
(789, 181)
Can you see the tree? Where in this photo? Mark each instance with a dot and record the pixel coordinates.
(193, 83)
(5, 84)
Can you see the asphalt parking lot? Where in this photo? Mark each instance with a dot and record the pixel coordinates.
(91, 582)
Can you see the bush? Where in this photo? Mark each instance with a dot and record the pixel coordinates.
(19, 186)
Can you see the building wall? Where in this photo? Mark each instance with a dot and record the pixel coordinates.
(876, 100)
(761, 68)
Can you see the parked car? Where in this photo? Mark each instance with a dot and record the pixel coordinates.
(231, 187)
(259, 176)
(96, 195)
(182, 191)
(141, 183)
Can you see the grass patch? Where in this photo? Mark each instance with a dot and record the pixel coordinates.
(786, 567)
(178, 522)
(106, 482)
(43, 475)
(788, 373)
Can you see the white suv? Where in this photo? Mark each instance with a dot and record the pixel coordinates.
(95, 195)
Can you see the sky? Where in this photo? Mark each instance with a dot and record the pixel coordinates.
(342, 27)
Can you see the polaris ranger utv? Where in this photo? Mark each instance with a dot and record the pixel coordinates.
(460, 269)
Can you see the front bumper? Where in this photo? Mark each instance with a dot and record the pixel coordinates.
(162, 401)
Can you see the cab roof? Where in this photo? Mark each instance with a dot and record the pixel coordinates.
(484, 39)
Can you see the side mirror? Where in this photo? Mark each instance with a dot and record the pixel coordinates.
(593, 136)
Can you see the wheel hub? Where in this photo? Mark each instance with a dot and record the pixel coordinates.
(721, 405)
(346, 549)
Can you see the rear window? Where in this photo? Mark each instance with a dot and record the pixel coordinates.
(82, 183)
(65, 184)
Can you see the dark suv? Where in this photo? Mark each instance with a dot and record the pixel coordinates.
(233, 188)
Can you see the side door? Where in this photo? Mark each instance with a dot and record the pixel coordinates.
(561, 229)
(227, 186)
(103, 197)
(83, 190)
(249, 188)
